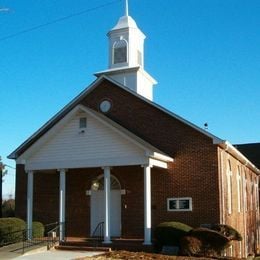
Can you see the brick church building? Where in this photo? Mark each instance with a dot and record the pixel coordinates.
(112, 155)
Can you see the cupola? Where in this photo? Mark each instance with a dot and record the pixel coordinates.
(126, 56)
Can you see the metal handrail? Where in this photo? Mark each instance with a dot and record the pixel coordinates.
(98, 233)
(99, 229)
(52, 236)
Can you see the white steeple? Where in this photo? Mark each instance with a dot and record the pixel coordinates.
(126, 56)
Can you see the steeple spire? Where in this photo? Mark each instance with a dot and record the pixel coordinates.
(126, 7)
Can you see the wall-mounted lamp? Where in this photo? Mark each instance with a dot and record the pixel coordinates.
(95, 184)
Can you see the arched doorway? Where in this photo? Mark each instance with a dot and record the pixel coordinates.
(97, 205)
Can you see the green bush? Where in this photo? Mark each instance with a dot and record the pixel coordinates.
(170, 233)
(204, 242)
(11, 230)
(38, 229)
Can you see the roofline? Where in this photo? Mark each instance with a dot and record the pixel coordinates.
(216, 140)
(227, 146)
(91, 87)
(65, 109)
(125, 69)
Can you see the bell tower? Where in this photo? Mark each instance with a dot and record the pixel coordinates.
(126, 56)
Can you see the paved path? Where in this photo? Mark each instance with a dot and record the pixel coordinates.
(56, 255)
(14, 252)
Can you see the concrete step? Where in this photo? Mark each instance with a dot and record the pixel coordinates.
(82, 248)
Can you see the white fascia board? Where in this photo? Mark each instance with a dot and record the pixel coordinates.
(117, 70)
(157, 163)
(159, 156)
(237, 154)
(86, 163)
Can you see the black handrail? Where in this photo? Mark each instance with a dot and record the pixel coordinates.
(98, 233)
(53, 235)
(99, 230)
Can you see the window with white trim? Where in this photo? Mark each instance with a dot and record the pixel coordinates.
(238, 189)
(256, 196)
(82, 122)
(120, 51)
(245, 192)
(251, 195)
(229, 187)
(179, 204)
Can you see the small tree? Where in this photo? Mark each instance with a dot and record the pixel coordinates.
(8, 208)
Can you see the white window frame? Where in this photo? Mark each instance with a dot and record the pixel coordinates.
(82, 122)
(238, 190)
(121, 43)
(229, 187)
(256, 196)
(177, 203)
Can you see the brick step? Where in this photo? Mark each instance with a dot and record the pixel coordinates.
(82, 248)
(130, 245)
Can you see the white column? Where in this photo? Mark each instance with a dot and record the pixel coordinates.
(62, 193)
(147, 205)
(29, 204)
(107, 205)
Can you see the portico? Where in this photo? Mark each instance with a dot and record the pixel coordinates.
(119, 148)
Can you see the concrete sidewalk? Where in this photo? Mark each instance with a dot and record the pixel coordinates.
(11, 251)
(57, 255)
(14, 251)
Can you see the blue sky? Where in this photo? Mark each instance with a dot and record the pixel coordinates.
(205, 55)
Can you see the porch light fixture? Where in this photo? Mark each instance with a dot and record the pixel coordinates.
(95, 184)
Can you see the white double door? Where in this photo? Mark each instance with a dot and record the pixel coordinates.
(98, 211)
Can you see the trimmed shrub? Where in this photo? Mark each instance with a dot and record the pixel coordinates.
(38, 229)
(204, 242)
(227, 231)
(11, 230)
(170, 233)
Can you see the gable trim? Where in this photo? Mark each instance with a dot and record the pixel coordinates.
(149, 151)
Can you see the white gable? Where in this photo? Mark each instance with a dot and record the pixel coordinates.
(68, 146)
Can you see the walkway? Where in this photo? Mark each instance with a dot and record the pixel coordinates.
(14, 252)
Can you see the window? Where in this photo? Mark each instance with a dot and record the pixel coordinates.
(256, 196)
(238, 190)
(251, 195)
(229, 187)
(245, 192)
(179, 204)
(82, 122)
(120, 51)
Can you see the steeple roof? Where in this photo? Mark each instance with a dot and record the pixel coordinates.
(125, 21)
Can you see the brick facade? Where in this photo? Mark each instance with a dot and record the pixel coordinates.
(198, 171)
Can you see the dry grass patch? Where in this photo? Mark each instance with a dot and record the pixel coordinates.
(140, 255)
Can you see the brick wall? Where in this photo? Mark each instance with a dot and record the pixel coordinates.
(246, 218)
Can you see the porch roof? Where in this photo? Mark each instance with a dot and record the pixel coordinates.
(139, 152)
